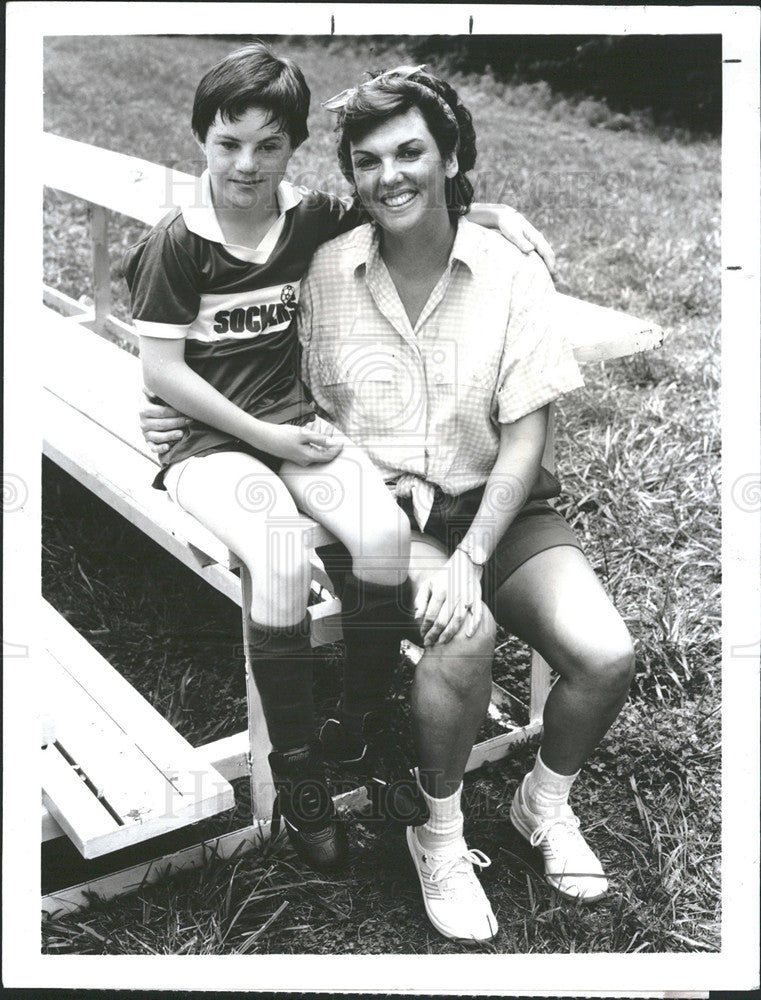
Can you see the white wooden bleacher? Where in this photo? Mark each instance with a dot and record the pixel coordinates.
(92, 391)
(114, 771)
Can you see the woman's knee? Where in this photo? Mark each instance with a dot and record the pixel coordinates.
(465, 662)
(608, 665)
(486, 635)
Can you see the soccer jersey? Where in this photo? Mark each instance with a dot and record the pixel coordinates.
(233, 306)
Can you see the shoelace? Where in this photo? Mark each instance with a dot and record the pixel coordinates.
(569, 824)
(458, 864)
(568, 827)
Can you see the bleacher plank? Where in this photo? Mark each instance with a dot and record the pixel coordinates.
(74, 442)
(228, 755)
(49, 828)
(136, 188)
(73, 806)
(106, 685)
(95, 377)
(121, 773)
(597, 333)
(144, 778)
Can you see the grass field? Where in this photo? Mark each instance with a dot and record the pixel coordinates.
(633, 218)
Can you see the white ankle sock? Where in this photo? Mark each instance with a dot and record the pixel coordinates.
(546, 791)
(444, 825)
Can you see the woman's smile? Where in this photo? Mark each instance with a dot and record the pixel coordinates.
(399, 173)
(400, 200)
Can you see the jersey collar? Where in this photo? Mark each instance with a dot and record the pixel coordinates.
(201, 219)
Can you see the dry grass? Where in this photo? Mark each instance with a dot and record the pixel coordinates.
(634, 220)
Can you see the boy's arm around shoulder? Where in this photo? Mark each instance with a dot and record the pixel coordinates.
(515, 229)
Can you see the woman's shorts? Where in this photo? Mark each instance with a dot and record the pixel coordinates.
(170, 476)
(536, 527)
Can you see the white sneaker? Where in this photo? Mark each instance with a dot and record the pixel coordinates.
(454, 899)
(570, 866)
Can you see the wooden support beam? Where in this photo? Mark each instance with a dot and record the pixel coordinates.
(101, 271)
(500, 746)
(262, 788)
(119, 883)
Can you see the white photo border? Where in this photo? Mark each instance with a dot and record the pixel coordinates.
(735, 967)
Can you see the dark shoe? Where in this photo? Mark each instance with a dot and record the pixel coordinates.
(370, 747)
(304, 802)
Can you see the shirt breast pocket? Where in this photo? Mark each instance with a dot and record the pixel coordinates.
(464, 385)
(453, 365)
(370, 389)
(354, 364)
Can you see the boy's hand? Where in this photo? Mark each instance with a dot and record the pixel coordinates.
(162, 425)
(522, 234)
(297, 444)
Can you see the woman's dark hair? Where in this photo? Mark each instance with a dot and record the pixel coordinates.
(448, 121)
(253, 77)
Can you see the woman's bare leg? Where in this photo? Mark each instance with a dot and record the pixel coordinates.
(556, 604)
(451, 690)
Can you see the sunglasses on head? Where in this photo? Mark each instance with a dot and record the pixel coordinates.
(340, 101)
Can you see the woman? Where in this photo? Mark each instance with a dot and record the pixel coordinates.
(428, 342)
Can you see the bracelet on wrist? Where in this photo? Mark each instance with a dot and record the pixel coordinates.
(471, 557)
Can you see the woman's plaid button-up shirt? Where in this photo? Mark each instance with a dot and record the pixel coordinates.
(426, 401)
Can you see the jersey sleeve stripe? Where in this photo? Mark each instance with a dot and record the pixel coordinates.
(166, 331)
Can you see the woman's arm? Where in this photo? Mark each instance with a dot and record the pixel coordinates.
(514, 228)
(456, 587)
(166, 374)
(521, 445)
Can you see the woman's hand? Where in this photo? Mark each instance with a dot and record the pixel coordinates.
(447, 598)
(526, 237)
(162, 425)
(299, 445)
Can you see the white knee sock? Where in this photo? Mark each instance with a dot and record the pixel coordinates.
(546, 791)
(444, 825)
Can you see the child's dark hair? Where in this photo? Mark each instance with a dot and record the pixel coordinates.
(448, 121)
(253, 77)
